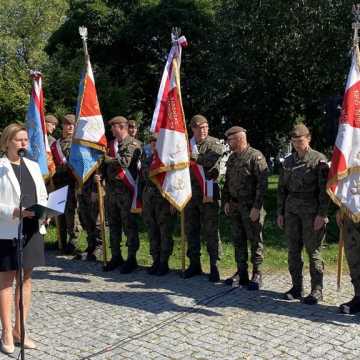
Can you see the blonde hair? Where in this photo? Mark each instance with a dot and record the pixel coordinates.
(9, 133)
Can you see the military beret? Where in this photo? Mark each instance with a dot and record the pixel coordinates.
(198, 120)
(234, 130)
(51, 119)
(132, 123)
(69, 119)
(299, 130)
(118, 120)
(153, 137)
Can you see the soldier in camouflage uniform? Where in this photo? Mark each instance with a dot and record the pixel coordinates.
(51, 123)
(157, 214)
(133, 129)
(88, 205)
(302, 211)
(202, 212)
(61, 150)
(124, 153)
(243, 196)
(352, 253)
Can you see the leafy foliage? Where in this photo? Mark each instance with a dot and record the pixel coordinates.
(263, 64)
(25, 26)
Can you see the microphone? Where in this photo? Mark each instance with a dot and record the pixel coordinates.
(21, 152)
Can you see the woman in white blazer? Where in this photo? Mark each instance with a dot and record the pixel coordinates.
(33, 190)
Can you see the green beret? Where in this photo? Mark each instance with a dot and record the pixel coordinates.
(234, 130)
(299, 130)
(198, 120)
(153, 137)
(69, 119)
(51, 119)
(121, 120)
(132, 123)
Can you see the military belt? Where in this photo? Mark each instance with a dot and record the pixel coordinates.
(302, 195)
(240, 199)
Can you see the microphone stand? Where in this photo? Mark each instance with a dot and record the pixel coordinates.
(19, 250)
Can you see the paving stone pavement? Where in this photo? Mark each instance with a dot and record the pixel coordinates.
(79, 312)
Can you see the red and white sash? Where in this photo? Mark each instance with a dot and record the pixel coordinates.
(125, 176)
(206, 186)
(59, 157)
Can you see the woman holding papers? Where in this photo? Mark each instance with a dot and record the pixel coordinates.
(14, 138)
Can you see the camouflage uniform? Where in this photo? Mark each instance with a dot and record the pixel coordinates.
(157, 217)
(301, 197)
(89, 215)
(63, 177)
(51, 140)
(200, 216)
(352, 252)
(245, 187)
(118, 198)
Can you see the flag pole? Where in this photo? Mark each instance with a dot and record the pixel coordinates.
(340, 253)
(176, 33)
(102, 217)
(183, 242)
(57, 224)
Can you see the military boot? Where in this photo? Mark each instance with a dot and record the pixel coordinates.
(113, 264)
(313, 298)
(70, 248)
(351, 307)
(193, 269)
(163, 268)
(92, 249)
(296, 292)
(240, 278)
(129, 265)
(154, 267)
(214, 275)
(256, 281)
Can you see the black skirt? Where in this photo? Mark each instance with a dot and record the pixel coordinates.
(33, 254)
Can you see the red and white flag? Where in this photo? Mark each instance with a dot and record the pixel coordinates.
(343, 184)
(170, 167)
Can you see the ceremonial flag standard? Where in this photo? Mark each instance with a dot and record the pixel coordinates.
(343, 184)
(38, 149)
(89, 142)
(170, 167)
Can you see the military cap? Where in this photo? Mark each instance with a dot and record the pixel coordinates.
(153, 137)
(198, 120)
(118, 120)
(234, 130)
(51, 119)
(132, 123)
(299, 130)
(69, 119)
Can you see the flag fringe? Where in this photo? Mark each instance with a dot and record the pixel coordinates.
(162, 169)
(82, 181)
(168, 197)
(89, 144)
(343, 174)
(354, 217)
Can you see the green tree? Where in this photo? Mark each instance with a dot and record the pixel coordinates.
(128, 44)
(25, 26)
(262, 64)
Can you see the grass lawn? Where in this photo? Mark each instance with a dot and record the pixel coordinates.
(274, 241)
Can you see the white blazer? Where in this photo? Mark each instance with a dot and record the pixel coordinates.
(10, 196)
